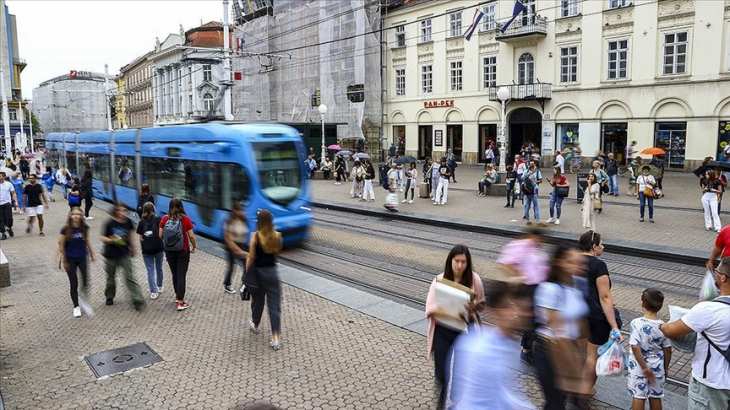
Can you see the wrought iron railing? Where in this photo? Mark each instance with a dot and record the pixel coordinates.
(525, 25)
(538, 91)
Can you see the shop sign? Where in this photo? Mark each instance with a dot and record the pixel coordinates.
(438, 104)
(439, 138)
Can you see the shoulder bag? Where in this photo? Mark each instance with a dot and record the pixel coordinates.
(562, 191)
(648, 191)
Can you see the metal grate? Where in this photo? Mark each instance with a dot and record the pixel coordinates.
(122, 359)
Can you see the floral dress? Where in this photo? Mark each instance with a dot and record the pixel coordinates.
(576, 157)
(357, 181)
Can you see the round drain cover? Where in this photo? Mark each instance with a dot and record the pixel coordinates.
(123, 358)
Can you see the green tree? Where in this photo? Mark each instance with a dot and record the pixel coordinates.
(37, 129)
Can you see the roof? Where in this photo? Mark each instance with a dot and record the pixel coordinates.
(83, 76)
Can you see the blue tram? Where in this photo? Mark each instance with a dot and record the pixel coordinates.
(208, 166)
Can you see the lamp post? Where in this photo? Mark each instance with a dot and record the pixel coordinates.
(322, 111)
(503, 95)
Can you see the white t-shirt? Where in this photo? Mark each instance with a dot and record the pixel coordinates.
(61, 177)
(570, 304)
(435, 170)
(642, 180)
(561, 163)
(714, 319)
(413, 174)
(6, 193)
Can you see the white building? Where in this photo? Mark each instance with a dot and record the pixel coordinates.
(74, 102)
(188, 71)
(602, 73)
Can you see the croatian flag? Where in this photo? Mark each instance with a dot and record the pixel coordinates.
(519, 8)
(474, 23)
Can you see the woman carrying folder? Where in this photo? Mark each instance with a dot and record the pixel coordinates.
(457, 273)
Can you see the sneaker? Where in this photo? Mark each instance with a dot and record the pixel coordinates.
(253, 327)
(529, 223)
(276, 345)
(512, 206)
(600, 211)
(557, 222)
(154, 295)
(182, 306)
(404, 201)
(641, 220)
(229, 289)
(109, 302)
(526, 357)
(41, 234)
(159, 289)
(10, 231)
(651, 220)
(77, 311)
(443, 203)
(401, 189)
(708, 228)
(138, 305)
(506, 206)
(410, 202)
(550, 220)
(21, 211)
(717, 230)
(27, 230)
(435, 203)
(89, 218)
(3, 237)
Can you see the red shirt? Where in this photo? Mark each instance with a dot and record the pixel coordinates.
(723, 241)
(187, 225)
(562, 181)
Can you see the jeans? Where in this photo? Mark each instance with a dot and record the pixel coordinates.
(269, 294)
(613, 184)
(64, 188)
(125, 262)
(178, 261)
(153, 263)
(642, 203)
(531, 200)
(443, 339)
(511, 193)
(74, 263)
(712, 215)
(232, 262)
(555, 202)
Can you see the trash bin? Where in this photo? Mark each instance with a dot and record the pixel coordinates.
(582, 183)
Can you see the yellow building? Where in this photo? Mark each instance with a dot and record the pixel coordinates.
(119, 118)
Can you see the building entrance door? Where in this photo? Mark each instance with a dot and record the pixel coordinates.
(525, 126)
(487, 135)
(455, 140)
(425, 141)
(615, 136)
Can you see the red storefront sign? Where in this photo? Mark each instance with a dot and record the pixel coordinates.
(438, 104)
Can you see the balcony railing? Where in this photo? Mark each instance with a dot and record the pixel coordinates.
(539, 91)
(524, 26)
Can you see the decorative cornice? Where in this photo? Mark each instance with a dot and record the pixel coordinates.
(455, 53)
(625, 28)
(425, 57)
(399, 61)
(685, 19)
(529, 42)
(487, 36)
(489, 48)
(454, 43)
(618, 16)
(672, 7)
(568, 37)
(398, 53)
(568, 24)
(425, 48)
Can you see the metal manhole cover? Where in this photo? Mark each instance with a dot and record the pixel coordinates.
(122, 359)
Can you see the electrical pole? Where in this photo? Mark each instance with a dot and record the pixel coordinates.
(227, 112)
(6, 115)
(106, 97)
(30, 115)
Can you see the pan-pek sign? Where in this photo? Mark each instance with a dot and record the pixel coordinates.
(438, 104)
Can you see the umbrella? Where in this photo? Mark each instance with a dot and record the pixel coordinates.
(335, 147)
(653, 170)
(719, 164)
(344, 153)
(361, 155)
(653, 151)
(405, 160)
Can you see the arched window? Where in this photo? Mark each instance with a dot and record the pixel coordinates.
(208, 101)
(526, 69)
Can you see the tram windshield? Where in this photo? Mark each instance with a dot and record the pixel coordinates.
(279, 170)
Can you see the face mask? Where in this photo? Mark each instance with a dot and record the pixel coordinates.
(645, 173)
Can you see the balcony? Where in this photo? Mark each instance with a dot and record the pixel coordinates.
(524, 27)
(525, 92)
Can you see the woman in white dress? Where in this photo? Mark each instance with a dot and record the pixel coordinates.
(358, 182)
(592, 192)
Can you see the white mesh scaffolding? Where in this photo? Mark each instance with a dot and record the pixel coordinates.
(290, 57)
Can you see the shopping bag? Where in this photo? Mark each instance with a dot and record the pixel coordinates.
(612, 359)
(686, 343)
(708, 291)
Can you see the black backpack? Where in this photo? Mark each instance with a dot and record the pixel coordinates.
(528, 185)
(152, 242)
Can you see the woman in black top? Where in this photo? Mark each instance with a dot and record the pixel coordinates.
(87, 193)
(263, 251)
(74, 194)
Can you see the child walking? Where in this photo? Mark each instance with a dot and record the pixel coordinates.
(411, 176)
(650, 354)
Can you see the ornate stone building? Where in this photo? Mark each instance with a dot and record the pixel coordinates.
(138, 95)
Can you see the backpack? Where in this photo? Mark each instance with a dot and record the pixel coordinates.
(140, 204)
(172, 235)
(528, 185)
(725, 353)
(151, 243)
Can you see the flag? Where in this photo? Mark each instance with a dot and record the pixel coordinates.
(519, 8)
(474, 23)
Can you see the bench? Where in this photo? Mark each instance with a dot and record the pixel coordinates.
(497, 190)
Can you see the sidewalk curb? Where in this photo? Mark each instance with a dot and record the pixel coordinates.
(618, 246)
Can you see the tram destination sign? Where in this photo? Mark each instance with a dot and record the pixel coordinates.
(438, 104)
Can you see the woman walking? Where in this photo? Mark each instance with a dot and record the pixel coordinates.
(711, 189)
(576, 163)
(458, 268)
(556, 198)
(75, 247)
(87, 193)
(176, 227)
(451, 163)
(74, 195)
(358, 182)
(591, 196)
(339, 171)
(645, 184)
(603, 319)
(62, 178)
(264, 247)
(152, 248)
(235, 238)
(411, 178)
(19, 184)
(511, 180)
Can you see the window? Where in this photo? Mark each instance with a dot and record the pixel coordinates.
(526, 69)
(490, 71)
(490, 17)
(356, 93)
(675, 53)
(569, 64)
(400, 36)
(425, 30)
(618, 59)
(456, 76)
(455, 24)
(614, 4)
(207, 72)
(569, 8)
(400, 82)
(124, 171)
(13, 113)
(316, 100)
(201, 182)
(279, 170)
(426, 79)
(208, 102)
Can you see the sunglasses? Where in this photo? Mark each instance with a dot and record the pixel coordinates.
(723, 274)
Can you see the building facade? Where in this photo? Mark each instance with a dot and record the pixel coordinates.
(74, 102)
(187, 76)
(293, 56)
(599, 73)
(116, 100)
(138, 92)
(12, 66)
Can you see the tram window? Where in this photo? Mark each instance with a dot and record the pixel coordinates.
(124, 171)
(54, 157)
(102, 161)
(194, 181)
(236, 180)
(71, 162)
(279, 170)
(93, 163)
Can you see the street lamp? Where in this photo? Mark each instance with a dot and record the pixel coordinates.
(503, 95)
(322, 111)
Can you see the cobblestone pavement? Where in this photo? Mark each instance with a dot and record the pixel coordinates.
(679, 220)
(332, 357)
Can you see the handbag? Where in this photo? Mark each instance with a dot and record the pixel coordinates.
(250, 281)
(605, 188)
(597, 204)
(648, 192)
(335, 174)
(562, 191)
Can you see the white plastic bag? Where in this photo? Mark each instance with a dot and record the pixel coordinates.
(709, 290)
(613, 360)
(686, 343)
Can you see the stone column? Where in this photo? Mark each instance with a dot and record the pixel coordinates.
(185, 94)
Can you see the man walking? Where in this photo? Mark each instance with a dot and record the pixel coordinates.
(118, 250)
(560, 162)
(443, 186)
(35, 200)
(7, 200)
(530, 182)
(612, 170)
(630, 152)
